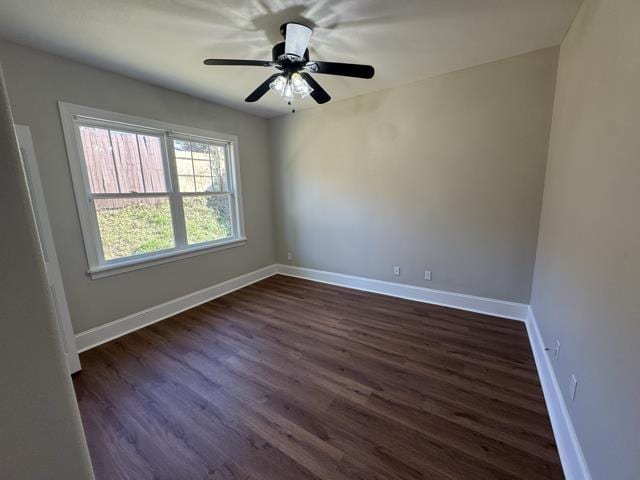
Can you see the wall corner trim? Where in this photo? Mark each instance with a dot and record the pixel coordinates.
(571, 455)
(112, 330)
(488, 306)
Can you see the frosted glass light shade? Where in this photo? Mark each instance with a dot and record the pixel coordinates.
(278, 84)
(300, 85)
(290, 88)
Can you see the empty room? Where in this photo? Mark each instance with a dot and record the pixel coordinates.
(320, 239)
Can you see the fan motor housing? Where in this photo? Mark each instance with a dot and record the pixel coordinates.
(286, 62)
(283, 28)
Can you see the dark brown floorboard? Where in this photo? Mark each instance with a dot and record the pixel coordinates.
(290, 380)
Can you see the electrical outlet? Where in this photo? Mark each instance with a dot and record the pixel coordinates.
(556, 354)
(573, 386)
(396, 270)
(289, 256)
(427, 275)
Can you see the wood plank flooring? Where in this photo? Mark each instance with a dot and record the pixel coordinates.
(291, 380)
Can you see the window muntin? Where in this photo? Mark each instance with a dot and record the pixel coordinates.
(129, 170)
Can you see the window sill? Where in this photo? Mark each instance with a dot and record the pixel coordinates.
(117, 268)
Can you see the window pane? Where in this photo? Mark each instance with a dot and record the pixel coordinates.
(219, 167)
(184, 166)
(122, 162)
(207, 218)
(205, 162)
(202, 167)
(125, 153)
(186, 183)
(199, 150)
(204, 184)
(134, 226)
(182, 148)
(151, 159)
(101, 167)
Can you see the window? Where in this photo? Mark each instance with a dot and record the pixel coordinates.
(148, 192)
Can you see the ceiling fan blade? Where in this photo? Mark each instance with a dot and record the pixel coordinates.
(262, 89)
(342, 69)
(247, 63)
(297, 39)
(319, 94)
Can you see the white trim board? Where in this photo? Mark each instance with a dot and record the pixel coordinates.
(48, 247)
(489, 306)
(571, 455)
(112, 330)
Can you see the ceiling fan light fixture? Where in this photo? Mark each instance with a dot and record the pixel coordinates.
(291, 87)
(300, 86)
(278, 84)
(291, 58)
(287, 94)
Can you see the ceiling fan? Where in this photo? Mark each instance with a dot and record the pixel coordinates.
(291, 57)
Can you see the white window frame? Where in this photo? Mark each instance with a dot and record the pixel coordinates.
(73, 116)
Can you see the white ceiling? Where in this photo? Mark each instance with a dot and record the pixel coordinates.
(165, 41)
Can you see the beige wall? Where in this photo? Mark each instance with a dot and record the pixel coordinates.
(586, 278)
(40, 431)
(446, 173)
(36, 81)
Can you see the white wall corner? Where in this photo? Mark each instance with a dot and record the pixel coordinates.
(489, 306)
(571, 455)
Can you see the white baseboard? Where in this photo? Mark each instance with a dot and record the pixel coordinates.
(489, 306)
(571, 455)
(109, 331)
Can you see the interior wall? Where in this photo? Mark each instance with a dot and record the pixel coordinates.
(41, 432)
(445, 174)
(36, 81)
(585, 289)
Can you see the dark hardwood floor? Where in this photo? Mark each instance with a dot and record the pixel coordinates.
(290, 380)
